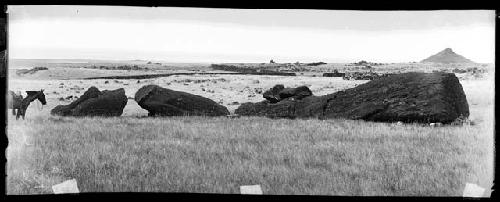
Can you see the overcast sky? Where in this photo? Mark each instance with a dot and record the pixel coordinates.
(246, 35)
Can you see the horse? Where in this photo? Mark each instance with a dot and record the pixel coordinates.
(21, 104)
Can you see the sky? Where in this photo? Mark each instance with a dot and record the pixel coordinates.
(246, 35)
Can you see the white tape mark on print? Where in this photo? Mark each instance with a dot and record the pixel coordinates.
(67, 187)
(250, 189)
(472, 190)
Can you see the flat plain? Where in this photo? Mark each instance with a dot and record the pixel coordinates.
(136, 153)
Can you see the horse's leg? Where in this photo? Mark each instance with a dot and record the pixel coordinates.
(23, 112)
(20, 112)
(14, 111)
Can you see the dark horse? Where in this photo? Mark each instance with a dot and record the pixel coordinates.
(21, 104)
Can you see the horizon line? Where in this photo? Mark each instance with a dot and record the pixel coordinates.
(166, 61)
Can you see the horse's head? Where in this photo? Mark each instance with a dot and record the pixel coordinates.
(39, 95)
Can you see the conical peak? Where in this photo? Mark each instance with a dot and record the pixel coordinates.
(447, 50)
(447, 56)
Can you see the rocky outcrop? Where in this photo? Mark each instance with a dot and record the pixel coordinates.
(408, 97)
(21, 72)
(334, 74)
(165, 102)
(95, 103)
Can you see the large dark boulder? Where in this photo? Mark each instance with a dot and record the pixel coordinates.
(165, 102)
(273, 94)
(95, 103)
(295, 93)
(408, 97)
(279, 93)
(309, 107)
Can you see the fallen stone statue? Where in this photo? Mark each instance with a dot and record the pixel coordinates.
(165, 102)
(95, 103)
(407, 97)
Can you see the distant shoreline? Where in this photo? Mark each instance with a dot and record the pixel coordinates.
(90, 61)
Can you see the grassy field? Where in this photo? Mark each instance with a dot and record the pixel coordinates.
(217, 155)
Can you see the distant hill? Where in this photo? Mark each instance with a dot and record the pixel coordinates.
(447, 56)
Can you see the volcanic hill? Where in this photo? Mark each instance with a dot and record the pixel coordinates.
(447, 56)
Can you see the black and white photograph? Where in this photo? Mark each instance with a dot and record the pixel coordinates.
(242, 101)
